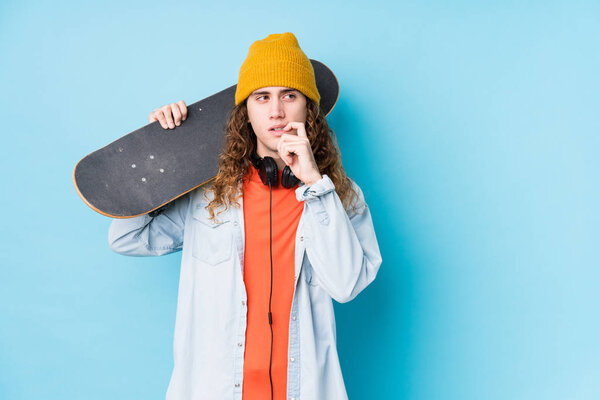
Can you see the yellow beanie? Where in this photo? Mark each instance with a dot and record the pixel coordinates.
(276, 60)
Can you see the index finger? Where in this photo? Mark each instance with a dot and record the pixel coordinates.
(183, 109)
(299, 126)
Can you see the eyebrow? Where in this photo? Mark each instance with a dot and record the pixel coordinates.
(267, 92)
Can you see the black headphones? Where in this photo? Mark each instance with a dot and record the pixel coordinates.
(268, 172)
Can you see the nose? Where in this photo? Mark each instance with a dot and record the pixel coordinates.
(276, 108)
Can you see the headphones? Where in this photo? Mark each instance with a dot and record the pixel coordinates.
(268, 172)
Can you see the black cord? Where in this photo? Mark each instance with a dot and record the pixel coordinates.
(271, 292)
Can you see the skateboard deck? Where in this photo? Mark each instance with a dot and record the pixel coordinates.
(152, 166)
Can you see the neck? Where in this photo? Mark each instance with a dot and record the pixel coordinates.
(280, 163)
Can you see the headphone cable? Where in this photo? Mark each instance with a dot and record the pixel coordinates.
(271, 291)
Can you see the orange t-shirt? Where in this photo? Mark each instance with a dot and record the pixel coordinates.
(286, 211)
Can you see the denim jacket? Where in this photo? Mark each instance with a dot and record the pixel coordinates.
(336, 257)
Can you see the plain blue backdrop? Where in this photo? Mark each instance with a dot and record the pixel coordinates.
(471, 126)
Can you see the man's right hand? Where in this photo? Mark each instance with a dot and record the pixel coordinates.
(169, 115)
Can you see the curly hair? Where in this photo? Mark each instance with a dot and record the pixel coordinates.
(240, 143)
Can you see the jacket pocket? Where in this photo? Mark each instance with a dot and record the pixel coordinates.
(212, 240)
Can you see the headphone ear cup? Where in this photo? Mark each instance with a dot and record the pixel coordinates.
(269, 171)
(288, 179)
(256, 161)
(266, 167)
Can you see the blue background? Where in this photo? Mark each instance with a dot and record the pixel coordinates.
(472, 127)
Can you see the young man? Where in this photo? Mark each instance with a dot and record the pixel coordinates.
(255, 317)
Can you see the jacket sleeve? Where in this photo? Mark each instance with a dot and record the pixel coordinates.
(150, 236)
(341, 246)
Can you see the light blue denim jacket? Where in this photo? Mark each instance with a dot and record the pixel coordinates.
(336, 257)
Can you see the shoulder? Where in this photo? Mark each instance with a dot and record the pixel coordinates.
(355, 186)
(203, 194)
(357, 199)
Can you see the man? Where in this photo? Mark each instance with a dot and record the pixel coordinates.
(254, 314)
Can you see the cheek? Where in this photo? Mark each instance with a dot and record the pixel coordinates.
(250, 112)
(302, 116)
(302, 113)
(303, 110)
(254, 120)
(295, 114)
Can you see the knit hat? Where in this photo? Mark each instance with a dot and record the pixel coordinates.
(276, 60)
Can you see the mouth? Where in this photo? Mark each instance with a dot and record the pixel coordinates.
(277, 130)
(277, 133)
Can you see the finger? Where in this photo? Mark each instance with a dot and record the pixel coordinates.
(176, 114)
(283, 141)
(299, 126)
(282, 152)
(281, 149)
(183, 109)
(168, 116)
(287, 137)
(291, 126)
(288, 151)
(158, 114)
(168, 113)
(294, 147)
(304, 144)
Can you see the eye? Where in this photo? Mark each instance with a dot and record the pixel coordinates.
(291, 94)
(260, 97)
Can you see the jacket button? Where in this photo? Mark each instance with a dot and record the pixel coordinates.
(237, 385)
(294, 317)
(235, 223)
(292, 359)
(301, 238)
(243, 302)
(240, 344)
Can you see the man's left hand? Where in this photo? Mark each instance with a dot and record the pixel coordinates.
(296, 152)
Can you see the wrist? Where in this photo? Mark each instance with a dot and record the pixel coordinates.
(313, 180)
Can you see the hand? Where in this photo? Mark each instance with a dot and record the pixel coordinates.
(296, 152)
(169, 115)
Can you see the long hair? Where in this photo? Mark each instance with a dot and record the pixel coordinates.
(240, 142)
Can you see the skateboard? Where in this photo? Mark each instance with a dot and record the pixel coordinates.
(150, 167)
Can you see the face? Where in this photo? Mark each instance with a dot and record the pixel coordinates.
(274, 107)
